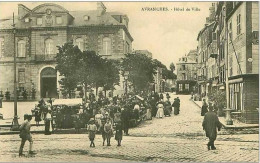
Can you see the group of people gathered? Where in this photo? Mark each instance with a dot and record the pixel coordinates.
(108, 116)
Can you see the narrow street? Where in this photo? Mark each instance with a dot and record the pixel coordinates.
(176, 138)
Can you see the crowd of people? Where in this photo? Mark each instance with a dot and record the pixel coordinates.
(108, 116)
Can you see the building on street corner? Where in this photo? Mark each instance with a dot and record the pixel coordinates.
(231, 30)
(41, 29)
(187, 73)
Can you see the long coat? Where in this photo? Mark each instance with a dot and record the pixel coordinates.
(210, 125)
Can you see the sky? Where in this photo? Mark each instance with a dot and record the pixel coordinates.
(168, 35)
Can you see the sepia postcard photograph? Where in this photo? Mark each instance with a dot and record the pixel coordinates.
(126, 81)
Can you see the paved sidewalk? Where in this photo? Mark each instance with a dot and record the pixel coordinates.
(236, 124)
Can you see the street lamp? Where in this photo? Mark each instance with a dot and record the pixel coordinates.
(15, 124)
(126, 74)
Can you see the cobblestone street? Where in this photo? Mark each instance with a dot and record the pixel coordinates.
(176, 138)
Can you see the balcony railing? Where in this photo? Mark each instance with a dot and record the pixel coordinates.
(45, 57)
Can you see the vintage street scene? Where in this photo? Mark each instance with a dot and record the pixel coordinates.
(129, 81)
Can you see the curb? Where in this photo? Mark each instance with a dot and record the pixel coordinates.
(231, 126)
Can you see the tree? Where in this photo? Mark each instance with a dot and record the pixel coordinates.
(166, 74)
(67, 59)
(172, 67)
(110, 75)
(141, 70)
(86, 68)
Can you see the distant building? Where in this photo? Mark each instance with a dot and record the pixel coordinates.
(41, 29)
(145, 52)
(187, 73)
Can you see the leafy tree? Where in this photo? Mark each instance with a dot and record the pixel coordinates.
(141, 70)
(110, 75)
(86, 68)
(172, 67)
(67, 62)
(166, 74)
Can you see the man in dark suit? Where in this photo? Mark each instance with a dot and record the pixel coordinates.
(210, 124)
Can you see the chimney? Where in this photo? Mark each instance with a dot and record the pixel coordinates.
(22, 11)
(101, 8)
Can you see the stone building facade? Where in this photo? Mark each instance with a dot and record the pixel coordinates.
(233, 52)
(187, 73)
(40, 30)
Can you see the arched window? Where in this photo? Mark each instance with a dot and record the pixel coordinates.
(49, 46)
(106, 46)
(80, 43)
(21, 48)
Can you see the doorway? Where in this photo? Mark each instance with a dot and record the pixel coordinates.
(48, 83)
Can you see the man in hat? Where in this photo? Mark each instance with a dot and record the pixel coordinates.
(210, 125)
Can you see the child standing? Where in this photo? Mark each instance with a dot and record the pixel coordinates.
(109, 131)
(92, 128)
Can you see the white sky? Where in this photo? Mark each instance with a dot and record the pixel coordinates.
(168, 35)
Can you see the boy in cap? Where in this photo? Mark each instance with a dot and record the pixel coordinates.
(25, 134)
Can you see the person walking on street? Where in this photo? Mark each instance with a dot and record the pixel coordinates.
(92, 129)
(25, 134)
(119, 133)
(210, 124)
(109, 131)
(204, 108)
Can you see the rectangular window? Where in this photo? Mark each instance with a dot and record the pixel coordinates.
(58, 20)
(183, 67)
(21, 48)
(180, 87)
(214, 36)
(187, 86)
(21, 75)
(230, 31)
(38, 21)
(238, 24)
(183, 76)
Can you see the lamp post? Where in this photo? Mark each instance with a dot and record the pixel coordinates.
(229, 121)
(15, 124)
(126, 73)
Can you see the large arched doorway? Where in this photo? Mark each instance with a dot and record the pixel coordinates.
(48, 83)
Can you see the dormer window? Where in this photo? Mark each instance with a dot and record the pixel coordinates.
(58, 20)
(26, 20)
(39, 21)
(86, 17)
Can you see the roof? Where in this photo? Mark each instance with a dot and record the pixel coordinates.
(106, 18)
(7, 23)
(206, 26)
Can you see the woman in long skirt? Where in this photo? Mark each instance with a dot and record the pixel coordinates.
(148, 111)
(48, 125)
(160, 111)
